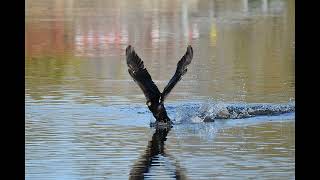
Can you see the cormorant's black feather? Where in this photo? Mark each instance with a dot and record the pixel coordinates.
(180, 71)
(141, 76)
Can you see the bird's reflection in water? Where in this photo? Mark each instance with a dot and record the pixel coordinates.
(155, 158)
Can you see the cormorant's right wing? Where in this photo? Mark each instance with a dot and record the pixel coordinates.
(141, 76)
(180, 71)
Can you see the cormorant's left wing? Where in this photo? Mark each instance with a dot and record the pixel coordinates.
(141, 76)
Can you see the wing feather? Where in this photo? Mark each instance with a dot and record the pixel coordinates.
(180, 71)
(141, 76)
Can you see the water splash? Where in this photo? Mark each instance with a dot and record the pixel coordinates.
(210, 111)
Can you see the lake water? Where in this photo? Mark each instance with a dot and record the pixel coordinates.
(87, 119)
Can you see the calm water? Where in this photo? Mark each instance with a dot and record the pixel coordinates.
(87, 119)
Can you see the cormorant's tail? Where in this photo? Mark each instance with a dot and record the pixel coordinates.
(180, 71)
(141, 76)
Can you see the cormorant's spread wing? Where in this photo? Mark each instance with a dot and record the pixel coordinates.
(180, 71)
(141, 76)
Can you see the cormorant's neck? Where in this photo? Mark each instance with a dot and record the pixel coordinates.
(159, 112)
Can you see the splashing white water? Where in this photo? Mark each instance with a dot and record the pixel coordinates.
(210, 111)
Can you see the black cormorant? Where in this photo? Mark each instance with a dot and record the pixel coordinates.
(155, 99)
